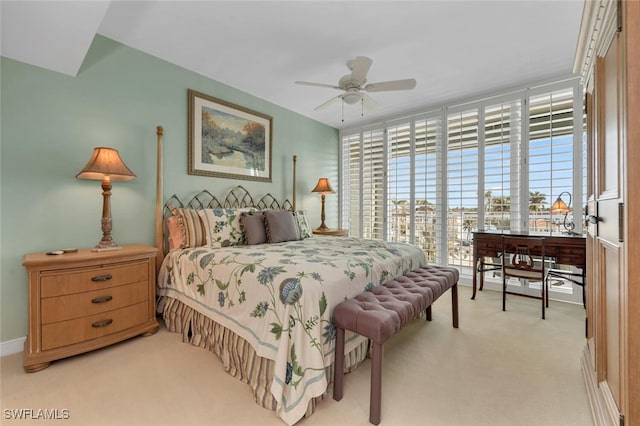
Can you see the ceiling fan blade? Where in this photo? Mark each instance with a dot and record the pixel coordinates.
(383, 86)
(308, 83)
(326, 104)
(360, 68)
(369, 103)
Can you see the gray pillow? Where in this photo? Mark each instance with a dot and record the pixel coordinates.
(281, 225)
(253, 228)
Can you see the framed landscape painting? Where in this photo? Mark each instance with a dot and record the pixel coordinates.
(227, 140)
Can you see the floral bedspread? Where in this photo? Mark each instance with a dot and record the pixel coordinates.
(279, 297)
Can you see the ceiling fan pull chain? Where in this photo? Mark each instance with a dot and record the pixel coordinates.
(343, 110)
(362, 107)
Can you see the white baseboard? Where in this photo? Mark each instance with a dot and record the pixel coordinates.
(12, 346)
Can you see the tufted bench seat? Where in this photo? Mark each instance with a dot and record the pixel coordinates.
(380, 313)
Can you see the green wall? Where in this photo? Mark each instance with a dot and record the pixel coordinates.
(50, 124)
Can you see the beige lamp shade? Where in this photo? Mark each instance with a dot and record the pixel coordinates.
(559, 206)
(323, 186)
(106, 162)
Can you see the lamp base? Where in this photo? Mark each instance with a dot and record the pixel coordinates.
(106, 246)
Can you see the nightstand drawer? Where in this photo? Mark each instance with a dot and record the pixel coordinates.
(82, 280)
(62, 308)
(78, 330)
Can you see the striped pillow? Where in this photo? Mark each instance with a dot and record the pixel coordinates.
(193, 234)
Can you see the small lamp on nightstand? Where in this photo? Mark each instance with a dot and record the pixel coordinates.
(106, 165)
(323, 187)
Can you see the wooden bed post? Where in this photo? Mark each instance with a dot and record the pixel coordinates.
(159, 227)
(295, 157)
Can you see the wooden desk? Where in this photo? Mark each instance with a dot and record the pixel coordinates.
(565, 249)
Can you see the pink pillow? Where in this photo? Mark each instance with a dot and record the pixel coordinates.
(175, 233)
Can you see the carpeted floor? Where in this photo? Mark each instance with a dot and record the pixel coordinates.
(499, 368)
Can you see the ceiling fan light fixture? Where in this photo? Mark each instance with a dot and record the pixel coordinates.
(352, 98)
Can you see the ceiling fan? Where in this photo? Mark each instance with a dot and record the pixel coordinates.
(355, 87)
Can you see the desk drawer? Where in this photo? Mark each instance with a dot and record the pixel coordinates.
(487, 246)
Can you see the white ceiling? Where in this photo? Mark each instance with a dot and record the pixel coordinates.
(454, 49)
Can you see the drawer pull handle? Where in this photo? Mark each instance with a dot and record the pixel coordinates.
(102, 278)
(102, 299)
(102, 323)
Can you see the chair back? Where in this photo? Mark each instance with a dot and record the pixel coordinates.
(523, 257)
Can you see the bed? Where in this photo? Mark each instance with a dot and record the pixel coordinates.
(265, 308)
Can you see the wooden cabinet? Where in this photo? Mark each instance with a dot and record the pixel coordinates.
(332, 232)
(87, 300)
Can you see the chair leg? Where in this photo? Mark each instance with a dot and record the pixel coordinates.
(546, 283)
(545, 295)
(504, 293)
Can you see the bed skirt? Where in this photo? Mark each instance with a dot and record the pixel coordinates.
(237, 355)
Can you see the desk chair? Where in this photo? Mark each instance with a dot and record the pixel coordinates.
(518, 261)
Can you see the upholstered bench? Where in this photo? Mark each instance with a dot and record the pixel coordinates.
(380, 313)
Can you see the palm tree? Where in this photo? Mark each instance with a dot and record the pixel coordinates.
(536, 201)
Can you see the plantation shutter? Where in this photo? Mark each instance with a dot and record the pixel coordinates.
(350, 184)
(502, 166)
(429, 188)
(550, 155)
(462, 184)
(373, 184)
(399, 182)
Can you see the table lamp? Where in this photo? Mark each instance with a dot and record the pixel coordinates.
(323, 187)
(106, 165)
(559, 206)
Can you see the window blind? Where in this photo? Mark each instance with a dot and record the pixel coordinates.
(550, 156)
(462, 184)
(502, 179)
(373, 184)
(400, 169)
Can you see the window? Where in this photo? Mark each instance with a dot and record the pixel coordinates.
(551, 147)
(434, 179)
(462, 185)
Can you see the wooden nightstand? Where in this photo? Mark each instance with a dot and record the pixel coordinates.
(332, 232)
(86, 300)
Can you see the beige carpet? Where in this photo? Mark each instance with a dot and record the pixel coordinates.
(498, 368)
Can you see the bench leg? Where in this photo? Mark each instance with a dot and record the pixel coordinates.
(338, 365)
(428, 313)
(375, 400)
(454, 304)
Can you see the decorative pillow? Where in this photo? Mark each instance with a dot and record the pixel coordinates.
(191, 227)
(303, 225)
(252, 224)
(222, 226)
(176, 237)
(281, 225)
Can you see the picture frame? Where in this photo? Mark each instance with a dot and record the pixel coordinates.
(227, 140)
